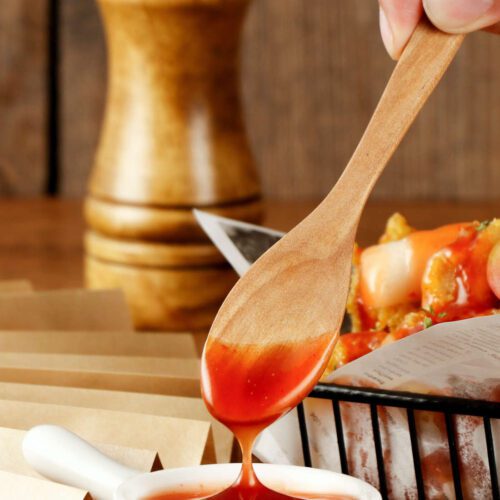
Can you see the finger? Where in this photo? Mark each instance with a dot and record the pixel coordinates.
(398, 19)
(463, 16)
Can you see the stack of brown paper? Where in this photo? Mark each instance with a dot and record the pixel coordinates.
(166, 435)
(15, 286)
(118, 343)
(152, 404)
(72, 358)
(17, 487)
(12, 459)
(103, 310)
(174, 376)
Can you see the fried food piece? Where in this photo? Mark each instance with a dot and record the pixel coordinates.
(354, 307)
(455, 281)
(362, 318)
(452, 267)
(420, 320)
(391, 273)
(412, 323)
(352, 346)
(396, 228)
(391, 318)
(493, 270)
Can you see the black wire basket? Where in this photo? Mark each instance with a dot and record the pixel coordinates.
(251, 242)
(411, 402)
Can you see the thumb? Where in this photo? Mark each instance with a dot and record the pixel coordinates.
(462, 16)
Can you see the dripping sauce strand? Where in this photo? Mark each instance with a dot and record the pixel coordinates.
(247, 387)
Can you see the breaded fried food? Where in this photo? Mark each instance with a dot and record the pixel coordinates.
(351, 346)
(455, 281)
(414, 279)
(362, 318)
(396, 228)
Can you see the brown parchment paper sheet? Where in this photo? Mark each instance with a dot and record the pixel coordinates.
(153, 404)
(103, 310)
(179, 442)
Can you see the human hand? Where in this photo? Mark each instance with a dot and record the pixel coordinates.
(398, 18)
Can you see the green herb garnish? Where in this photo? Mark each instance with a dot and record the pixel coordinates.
(483, 225)
(442, 314)
(427, 322)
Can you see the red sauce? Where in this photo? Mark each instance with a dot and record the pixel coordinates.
(181, 495)
(468, 259)
(352, 346)
(247, 387)
(368, 318)
(199, 495)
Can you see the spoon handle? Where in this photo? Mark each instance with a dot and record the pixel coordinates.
(424, 61)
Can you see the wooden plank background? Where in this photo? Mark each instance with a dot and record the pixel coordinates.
(312, 73)
(23, 62)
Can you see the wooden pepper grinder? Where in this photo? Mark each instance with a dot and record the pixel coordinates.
(173, 138)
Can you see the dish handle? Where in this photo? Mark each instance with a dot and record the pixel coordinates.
(62, 456)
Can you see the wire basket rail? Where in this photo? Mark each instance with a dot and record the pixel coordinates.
(411, 402)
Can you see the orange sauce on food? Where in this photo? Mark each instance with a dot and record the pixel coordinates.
(352, 346)
(415, 251)
(425, 243)
(467, 257)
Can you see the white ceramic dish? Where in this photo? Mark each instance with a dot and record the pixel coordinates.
(62, 456)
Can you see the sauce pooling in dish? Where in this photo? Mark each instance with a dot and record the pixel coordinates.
(200, 495)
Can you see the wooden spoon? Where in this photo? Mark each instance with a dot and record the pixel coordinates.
(297, 290)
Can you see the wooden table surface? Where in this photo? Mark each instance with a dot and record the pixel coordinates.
(41, 239)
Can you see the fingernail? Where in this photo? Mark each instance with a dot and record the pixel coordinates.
(456, 14)
(386, 31)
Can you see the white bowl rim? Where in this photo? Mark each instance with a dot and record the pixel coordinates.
(222, 475)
